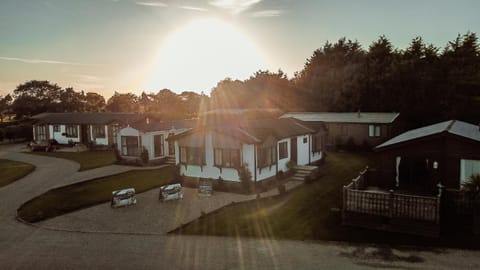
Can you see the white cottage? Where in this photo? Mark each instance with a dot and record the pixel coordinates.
(265, 147)
(99, 128)
(152, 136)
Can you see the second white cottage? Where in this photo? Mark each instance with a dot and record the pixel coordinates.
(218, 150)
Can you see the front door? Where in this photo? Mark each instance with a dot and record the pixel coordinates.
(293, 149)
(84, 134)
(171, 145)
(414, 174)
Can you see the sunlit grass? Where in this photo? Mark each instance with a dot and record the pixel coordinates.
(77, 196)
(87, 160)
(11, 171)
(303, 214)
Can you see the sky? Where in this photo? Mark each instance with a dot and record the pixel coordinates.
(105, 46)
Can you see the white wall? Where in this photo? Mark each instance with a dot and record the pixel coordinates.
(101, 141)
(61, 138)
(303, 150)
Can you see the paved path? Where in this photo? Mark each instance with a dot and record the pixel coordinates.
(26, 247)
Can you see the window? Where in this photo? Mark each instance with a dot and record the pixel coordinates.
(158, 145)
(56, 128)
(41, 135)
(317, 143)
(183, 155)
(282, 150)
(228, 158)
(130, 146)
(217, 159)
(191, 155)
(98, 131)
(468, 168)
(267, 156)
(115, 129)
(71, 131)
(374, 130)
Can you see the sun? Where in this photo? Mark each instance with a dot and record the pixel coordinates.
(198, 55)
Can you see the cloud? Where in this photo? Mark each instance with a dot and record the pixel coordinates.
(193, 8)
(267, 13)
(152, 4)
(41, 61)
(90, 78)
(236, 6)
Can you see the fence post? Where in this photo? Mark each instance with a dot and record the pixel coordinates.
(390, 204)
(344, 198)
(439, 202)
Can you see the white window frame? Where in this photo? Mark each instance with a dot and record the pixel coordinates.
(468, 167)
(374, 130)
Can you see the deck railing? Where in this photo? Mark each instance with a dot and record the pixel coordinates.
(388, 203)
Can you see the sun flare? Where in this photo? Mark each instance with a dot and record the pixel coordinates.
(198, 55)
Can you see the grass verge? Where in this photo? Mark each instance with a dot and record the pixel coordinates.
(87, 160)
(13, 170)
(67, 199)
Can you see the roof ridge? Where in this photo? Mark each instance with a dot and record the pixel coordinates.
(450, 125)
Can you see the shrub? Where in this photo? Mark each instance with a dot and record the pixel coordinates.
(118, 157)
(350, 145)
(245, 177)
(280, 175)
(472, 186)
(144, 155)
(291, 164)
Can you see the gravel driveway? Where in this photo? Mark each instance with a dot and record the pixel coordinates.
(149, 215)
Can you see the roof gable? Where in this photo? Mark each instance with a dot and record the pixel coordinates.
(454, 127)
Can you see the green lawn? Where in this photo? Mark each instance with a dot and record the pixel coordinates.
(87, 160)
(13, 170)
(67, 199)
(304, 214)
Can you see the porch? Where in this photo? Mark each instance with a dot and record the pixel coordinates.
(365, 205)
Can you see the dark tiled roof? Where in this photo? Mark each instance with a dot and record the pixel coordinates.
(454, 127)
(256, 131)
(95, 118)
(159, 126)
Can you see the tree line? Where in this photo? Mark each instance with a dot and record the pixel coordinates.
(423, 82)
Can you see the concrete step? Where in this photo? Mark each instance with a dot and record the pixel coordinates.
(306, 168)
(297, 178)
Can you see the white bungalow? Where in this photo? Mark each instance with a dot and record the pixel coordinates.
(97, 128)
(152, 136)
(265, 147)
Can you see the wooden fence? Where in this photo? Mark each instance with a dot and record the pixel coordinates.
(392, 205)
(388, 203)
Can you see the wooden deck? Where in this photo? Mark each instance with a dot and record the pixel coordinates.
(389, 210)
